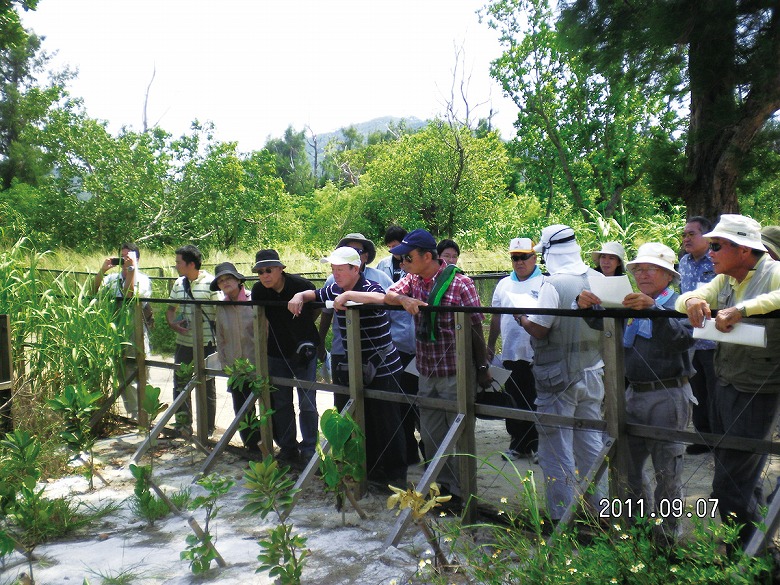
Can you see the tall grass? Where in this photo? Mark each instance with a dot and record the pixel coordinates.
(61, 335)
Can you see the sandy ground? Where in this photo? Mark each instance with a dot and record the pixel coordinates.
(342, 551)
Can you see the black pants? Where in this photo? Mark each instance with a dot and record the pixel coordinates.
(522, 387)
(385, 439)
(410, 412)
(703, 385)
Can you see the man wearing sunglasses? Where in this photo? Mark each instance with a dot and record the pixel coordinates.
(747, 283)
(519, 289)
(435, 335)
(292, 353)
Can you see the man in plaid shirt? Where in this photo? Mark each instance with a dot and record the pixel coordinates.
(426, 282)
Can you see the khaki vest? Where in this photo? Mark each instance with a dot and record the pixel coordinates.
(571, 346)
(751, 369)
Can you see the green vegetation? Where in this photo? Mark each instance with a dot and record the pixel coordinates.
(283, 554)
(200, 549)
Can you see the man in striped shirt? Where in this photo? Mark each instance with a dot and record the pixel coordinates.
(192, 284)
(385, 443)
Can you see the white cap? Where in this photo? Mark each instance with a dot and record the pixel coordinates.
(342, 256)
(740, 229)
(658, 254)
(522, 245)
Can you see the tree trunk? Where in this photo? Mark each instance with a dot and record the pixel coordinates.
(723, 125)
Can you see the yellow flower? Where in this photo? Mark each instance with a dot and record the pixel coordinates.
(624, 536)
(617, 527)
(613, 580)
(572, 570)
(504, 500)
(638, 567)
(673, 569)
(659, 521)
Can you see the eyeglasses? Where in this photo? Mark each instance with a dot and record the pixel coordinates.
(264, 270)
(406, 258)
(650, 270)
(521, 257)
(715, 246)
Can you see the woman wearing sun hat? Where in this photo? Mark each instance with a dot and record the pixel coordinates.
(610, 260)
(657, 366)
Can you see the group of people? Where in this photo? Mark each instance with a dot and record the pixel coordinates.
(554, 361)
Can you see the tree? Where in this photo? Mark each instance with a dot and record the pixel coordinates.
(292, 163)
(731, 53)
(442, 178)
(24, 102)
(581, 134)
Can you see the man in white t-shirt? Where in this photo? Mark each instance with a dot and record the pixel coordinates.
(519, 289)
(122, 285)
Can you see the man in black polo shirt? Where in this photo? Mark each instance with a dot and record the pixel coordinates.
(292, 353)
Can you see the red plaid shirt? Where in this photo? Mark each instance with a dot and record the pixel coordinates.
(437, 358)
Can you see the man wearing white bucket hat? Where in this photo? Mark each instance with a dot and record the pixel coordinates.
(658, 366)
(747, 282)
(568, 370)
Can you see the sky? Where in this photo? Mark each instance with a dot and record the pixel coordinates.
(254, 67)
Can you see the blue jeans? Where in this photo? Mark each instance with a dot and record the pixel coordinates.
(285, 431)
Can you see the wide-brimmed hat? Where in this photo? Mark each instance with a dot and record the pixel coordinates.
(267, 259)
(770, 237)
(222, 270)
(343, 255)
(368, 245)
(740, 229)
(521, 246)
(613, 248)
(418, 239)
(657, 254)
(557, 239)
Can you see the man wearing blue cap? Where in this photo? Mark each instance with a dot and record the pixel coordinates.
(429, 281)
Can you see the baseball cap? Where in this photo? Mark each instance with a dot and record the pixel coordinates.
(342, 256)
(418, 239)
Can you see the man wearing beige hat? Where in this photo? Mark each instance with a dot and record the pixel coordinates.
(747, 283)
(657, 366)
(519, 289)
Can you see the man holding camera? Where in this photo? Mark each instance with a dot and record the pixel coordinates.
(123, 285)
(292, 353)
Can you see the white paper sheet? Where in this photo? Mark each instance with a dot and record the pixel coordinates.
(742, 334)
(610, 289)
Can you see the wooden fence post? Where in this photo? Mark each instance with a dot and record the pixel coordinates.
(355, 365)
(261, 365)
(466, 382)
(615, 406)
(200, 373)
(140, 362)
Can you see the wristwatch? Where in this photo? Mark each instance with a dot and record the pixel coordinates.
(130, 268)
(741, 308)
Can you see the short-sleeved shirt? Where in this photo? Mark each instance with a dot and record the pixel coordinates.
(114, 284)
(437, 358)
(374, 328)
(285, 333)
(201, 291)
(512, 293)
(693, 274)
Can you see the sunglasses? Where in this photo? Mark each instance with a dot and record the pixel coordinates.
(265, 270)
(406, 258)
(521, 257)
(715, 247)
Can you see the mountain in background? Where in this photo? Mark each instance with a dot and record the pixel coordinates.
(364, 129)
